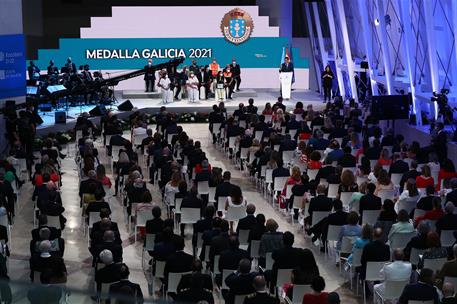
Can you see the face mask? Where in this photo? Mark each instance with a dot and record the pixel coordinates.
(149, 63)
(234, 62)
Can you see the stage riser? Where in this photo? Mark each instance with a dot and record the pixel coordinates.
(131, 94)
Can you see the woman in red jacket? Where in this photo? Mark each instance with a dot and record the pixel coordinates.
(425, 179)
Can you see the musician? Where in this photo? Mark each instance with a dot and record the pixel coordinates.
(229, 81)
(88, 80)
(192, 87)
(149, 76)
(236, 71)
(165, 85)
(71, 66)
(52, 70)
(86, 74)
(205, 80)
(33, 71)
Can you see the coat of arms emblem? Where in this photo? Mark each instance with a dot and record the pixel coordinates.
(237, 26)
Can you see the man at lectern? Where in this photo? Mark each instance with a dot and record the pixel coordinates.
(285, 75)
(149, 76)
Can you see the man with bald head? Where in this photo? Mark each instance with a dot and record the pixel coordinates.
(261, 295)
(375, 251)
(249, 221)
(97, 233)
(398, 270)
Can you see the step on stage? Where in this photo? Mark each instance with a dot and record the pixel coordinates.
(137, 94)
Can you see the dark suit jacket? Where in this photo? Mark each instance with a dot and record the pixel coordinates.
(195, 296)
(115, 248)
(375, 251)
(178, 262)
(447, 222)
(223, 189)
(319, 203)
(288, 145)
(261, 298)
(108, 274)
(246, 223)
(49, 294)
(338, 218)
(347, 161)
(219, 243)
(97, 206)
(154, 226)
(325, 172)
(425, 203)
(204, 279)
(419, 292)
(230, 258)
(115, 290)
(290, 258)
(54, 263)
(84, 186)
(239, 284)
(287, 68)
(399, 166)
(369, 202)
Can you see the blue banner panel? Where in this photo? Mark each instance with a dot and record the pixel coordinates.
(132, 53)
(12, 66)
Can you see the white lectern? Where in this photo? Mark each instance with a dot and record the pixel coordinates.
(286, 84)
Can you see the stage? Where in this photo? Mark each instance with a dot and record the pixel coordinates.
(152, 105)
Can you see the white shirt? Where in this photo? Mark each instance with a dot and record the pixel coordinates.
(139, 131)
(165, 83)
(193, 82)
(396, 271)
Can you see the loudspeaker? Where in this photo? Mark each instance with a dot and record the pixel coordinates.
(390, 107)
(125, 106)
(60, 117)
(99, 110)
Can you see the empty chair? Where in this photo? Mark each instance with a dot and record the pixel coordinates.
(345, 198)
(298, 292)
(190, 215)
(370, 216)
(312, 173)
(434, 264)
(399, 240)
(203, 187)
(396, 178)
(235, 213)
(392, 290)
(243, 235)
(386, 194)
(333, 190)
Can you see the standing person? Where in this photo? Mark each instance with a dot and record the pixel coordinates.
(192, 87)
(205, 82)
(220, 90)
(236, 71)
(214, 68)
(327, 79)
(149, 76)
(286, 67)
(194, 67)
(229, 81)
(164, 84)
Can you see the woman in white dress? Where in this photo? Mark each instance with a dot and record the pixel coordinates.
(409, 197)
(235, 200)
(171, 188)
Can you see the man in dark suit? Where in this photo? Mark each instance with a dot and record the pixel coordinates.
(109, 242)
(251, 109)
(149, 76)
(219, 243)
(45, 261)
(204, 79)
(191, 201)
(412, 173)
(224, 188)
(287, 144)
(261, 295)
(231, 257)
(156, 225)
(84, 186)
(449, 220)
(319, 203)
(205, 279)
(375, 251)
(347, 160)
(337, 218)
(249, 221)
(179, 261)
(110, 273)
(57, 244)
(326, 170)
(289, 257)
(104, 214)
(373, 152)
(423, 290)
(203, 225)
(279, 104)
(124, 289)
(239, 282)
(42, 223)
(369, 201)
(287, 66)
(439, 142)
(398, 165)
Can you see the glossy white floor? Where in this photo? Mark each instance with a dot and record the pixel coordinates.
(78, 258)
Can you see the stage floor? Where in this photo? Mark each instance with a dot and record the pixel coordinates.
(152, 105)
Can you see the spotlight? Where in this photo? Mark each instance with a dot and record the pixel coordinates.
(376, 22)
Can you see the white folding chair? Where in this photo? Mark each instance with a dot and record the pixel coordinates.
(287, 156)
(418, 212)
(333, 190)
(447, 238)
(399, 240)
(312, 173)
(414, 256)
(225, 274)
(212, 193)
(370, 217)
(392, 290)
(345, 198)
(396, 178)
(434, 264)
(142, 216)
(203, 187)
(243, 236)
(345, 248)
(333, 234)
(235, 213)
(318, 216)
(297, 203)
(54, 221)
(221, 201)
(297, 294)
(283, 277)
(372, 274)
(386, 194)
(255, 248)
(190, 215)
(148, 246)
(268, 261)
(173, 281)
